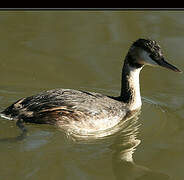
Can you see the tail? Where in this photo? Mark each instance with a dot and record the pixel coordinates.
(19, 123)
(2, 115)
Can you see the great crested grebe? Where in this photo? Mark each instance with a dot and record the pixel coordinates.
(89, 111)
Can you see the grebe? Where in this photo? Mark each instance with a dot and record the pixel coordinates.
(87, 112)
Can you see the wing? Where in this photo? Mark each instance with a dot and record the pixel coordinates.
(63, 106)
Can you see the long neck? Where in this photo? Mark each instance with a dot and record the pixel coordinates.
(130, 89)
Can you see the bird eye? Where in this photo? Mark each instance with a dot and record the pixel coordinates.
(152, 56)
(155, 56)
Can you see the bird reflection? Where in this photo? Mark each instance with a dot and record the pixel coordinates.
(85, 155)
(123, 164)
(119, 144)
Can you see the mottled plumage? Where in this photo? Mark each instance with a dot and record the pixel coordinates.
(67, 107)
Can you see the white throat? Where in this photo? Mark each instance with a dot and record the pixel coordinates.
(134, 84)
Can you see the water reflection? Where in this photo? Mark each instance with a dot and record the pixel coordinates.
(116, 149)
(108, 154)
(124, 166)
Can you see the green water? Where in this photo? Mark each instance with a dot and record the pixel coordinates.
(42, 50)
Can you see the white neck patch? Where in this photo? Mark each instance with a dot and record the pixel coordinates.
(134, 82)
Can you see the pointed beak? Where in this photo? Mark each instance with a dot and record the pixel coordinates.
(167, 65)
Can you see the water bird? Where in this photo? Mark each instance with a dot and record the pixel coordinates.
(87, 112)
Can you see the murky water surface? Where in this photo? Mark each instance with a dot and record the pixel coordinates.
(85, 50)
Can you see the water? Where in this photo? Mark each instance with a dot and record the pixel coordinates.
(85, 50)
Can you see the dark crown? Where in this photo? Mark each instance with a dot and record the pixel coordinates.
(148, 45)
